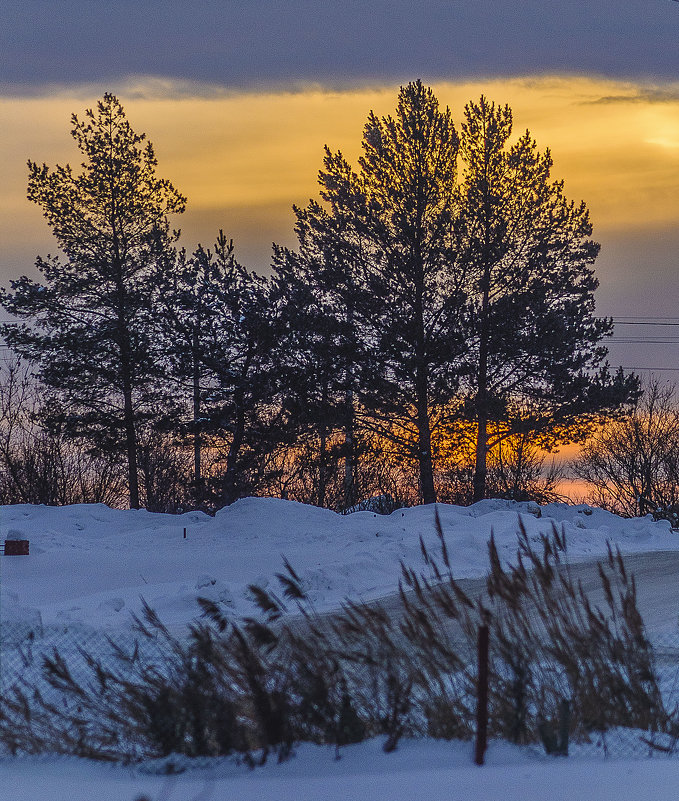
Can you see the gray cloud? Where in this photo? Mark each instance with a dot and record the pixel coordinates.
(639, 94)
(264, 43)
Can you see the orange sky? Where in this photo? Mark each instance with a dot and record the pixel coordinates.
(244, 158)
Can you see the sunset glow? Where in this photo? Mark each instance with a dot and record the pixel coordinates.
(244, 158)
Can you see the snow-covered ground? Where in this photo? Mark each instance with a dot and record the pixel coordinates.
(418, 771)
(89, 566)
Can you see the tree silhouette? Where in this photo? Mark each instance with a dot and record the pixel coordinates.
(215, 331)
(534, 359)
(318, 352)
(384, 240)
(631, 463)
(89, 323)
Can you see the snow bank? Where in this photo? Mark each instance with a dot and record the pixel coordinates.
(91, 565)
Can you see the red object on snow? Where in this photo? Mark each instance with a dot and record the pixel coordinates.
(16, 547)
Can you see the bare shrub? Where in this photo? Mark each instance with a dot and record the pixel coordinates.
(38, 462)
(305, 474)
(631, 463)
(517, 470)
(165, 472)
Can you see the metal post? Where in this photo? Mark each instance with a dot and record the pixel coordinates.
(564, 726)
(482, 696)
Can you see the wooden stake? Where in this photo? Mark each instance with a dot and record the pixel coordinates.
(482, 697)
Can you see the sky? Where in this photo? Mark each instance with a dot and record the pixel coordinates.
(239, 99)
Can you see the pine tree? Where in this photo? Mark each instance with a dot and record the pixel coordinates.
(317, 351)
(214, 325)
(388, 231)
(88, 325)
(534, 360)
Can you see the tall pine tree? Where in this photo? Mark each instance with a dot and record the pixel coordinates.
(534, 358)
(88, 324)
(388, 230)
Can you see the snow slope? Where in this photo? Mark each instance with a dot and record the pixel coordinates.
(90, 565)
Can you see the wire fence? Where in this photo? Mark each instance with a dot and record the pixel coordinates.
(26, 648)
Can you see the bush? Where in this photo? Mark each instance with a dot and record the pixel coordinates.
(257, 687)
(631, 464)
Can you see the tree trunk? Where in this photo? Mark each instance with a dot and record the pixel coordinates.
(128, 417)
(481, 470)
(130, 443)
(124, 347)
(322, 468)
(323, 456)
(197, 478)
(518, 471)
(349, 453)
(424, 455)
(349, 482)
(231, 491)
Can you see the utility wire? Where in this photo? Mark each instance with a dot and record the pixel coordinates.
(652, 369)
(640, 319)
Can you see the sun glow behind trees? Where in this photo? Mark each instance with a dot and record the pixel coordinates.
(255, 193)
(243, 158)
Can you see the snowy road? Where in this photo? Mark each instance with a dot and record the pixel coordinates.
(657, 581)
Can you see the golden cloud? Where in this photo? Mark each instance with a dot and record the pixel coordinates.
(246, 157)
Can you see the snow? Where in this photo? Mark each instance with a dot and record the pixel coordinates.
(89, 566)
(419, 770)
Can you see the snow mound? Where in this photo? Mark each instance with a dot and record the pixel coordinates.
(92, 565)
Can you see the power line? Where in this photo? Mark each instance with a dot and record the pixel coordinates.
(653, 369)
(639, 318)
(639, 322)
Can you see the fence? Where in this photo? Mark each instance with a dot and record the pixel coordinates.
(486, 693)
(532, 661)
